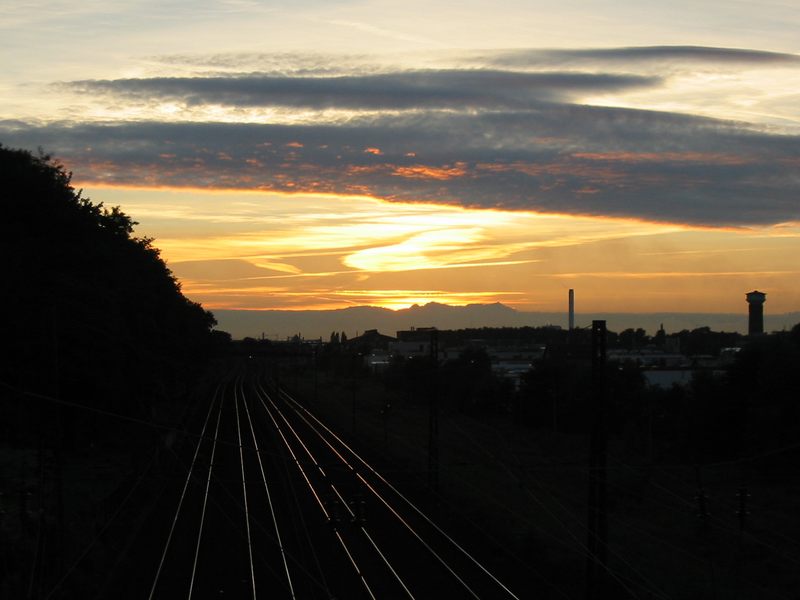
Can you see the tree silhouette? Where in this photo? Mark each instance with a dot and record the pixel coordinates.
(92, 312)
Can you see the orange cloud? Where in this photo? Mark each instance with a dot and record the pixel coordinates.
(398, 299)
(459, 169)
(660, 157)
(603, 174)
(366, 169)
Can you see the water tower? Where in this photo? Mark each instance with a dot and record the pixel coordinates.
(755, 324)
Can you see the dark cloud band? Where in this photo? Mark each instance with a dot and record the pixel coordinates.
(556, 158)
(635, 55)
(451, 89)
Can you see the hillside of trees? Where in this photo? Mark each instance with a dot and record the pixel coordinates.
(92, 315)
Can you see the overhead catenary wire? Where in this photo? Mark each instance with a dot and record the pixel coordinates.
(721, 525)
(269, 501)
(258, 524)
(726, 504)
(694, 557)
(188, 412)
(140, 479)
(190, 467)
(581, 550)
(324, 510)
(397, 516)
(244, 491)
(341, 498)
(103, 529)
(183, 495)
(400, 495)
(685, 504)
(205, 499)
(490, 537)
(653, 588)
(239, 503)
(119, 416)
(300, 524)
(557, 589)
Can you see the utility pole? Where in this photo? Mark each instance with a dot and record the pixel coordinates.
(703, 518)
(314, 366)
(742, 512)
(597, 540)
(433, 416)
(353, 364)
(57, 442)
(702, 501)
(385, 415)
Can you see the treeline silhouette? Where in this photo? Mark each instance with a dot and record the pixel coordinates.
(700, 475)
(727, 410)
(92, 315)
(701, 340)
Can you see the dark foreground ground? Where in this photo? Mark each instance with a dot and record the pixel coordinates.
(314, 490)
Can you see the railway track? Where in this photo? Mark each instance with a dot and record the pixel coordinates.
(272, 503)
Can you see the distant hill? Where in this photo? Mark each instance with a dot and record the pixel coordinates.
(311, 324)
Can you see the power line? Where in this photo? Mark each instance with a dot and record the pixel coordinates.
(205, 499)
(399, 494)
(269, 501)
(105, 527)
(321, 504)
(244, 491)
(339, 495)
(122, 417)
(183, 494)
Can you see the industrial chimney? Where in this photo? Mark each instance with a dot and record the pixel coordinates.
(571, 309)
(755, 324)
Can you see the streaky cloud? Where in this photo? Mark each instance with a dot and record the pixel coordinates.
(451, 89)
(295, 63)
(634, 54)
(557, 158)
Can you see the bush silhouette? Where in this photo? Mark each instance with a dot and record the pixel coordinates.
(91, 313)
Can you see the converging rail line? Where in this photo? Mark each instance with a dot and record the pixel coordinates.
(330, 439)
(272, 503)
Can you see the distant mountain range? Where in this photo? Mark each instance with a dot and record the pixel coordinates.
(312, 324)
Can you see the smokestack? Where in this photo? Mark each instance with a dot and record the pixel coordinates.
(755, 324)
(571, 309)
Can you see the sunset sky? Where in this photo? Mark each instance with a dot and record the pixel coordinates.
(328, 154)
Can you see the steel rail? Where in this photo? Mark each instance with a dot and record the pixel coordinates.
(269, 499)
(244, 489)
(183, 495)
(205, 497)
(394, 512)
(339, 495)
(325, 512)
(400, 495)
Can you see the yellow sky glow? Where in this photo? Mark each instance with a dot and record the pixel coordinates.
(256, 250)
(594, 108)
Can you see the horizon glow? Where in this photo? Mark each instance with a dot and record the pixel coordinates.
(325, 155)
